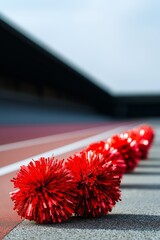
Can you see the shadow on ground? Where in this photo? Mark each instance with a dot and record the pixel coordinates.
(141, 186)
(149, 166)
(144, 173)
(113, 222)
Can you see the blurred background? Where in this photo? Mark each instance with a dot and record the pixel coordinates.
(75, 61)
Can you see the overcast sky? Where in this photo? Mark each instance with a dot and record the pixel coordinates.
(116, 42)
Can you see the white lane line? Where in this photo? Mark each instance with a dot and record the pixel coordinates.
(65, 149)
(48, 139)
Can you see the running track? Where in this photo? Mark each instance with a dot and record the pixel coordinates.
(24, 142)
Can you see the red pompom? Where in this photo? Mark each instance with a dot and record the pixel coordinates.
(146, 132)
(128, 148)
(144, 136)
(143, 144)
(116, 158)
(110, 154)
(98, 147)
(45, 191)
(97, 183)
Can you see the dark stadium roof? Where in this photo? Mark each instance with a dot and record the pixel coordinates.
(24, 61)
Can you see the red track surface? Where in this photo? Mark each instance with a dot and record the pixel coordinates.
(10, 134)
(9, 218)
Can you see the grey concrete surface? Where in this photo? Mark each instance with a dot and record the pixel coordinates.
(137, 216)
